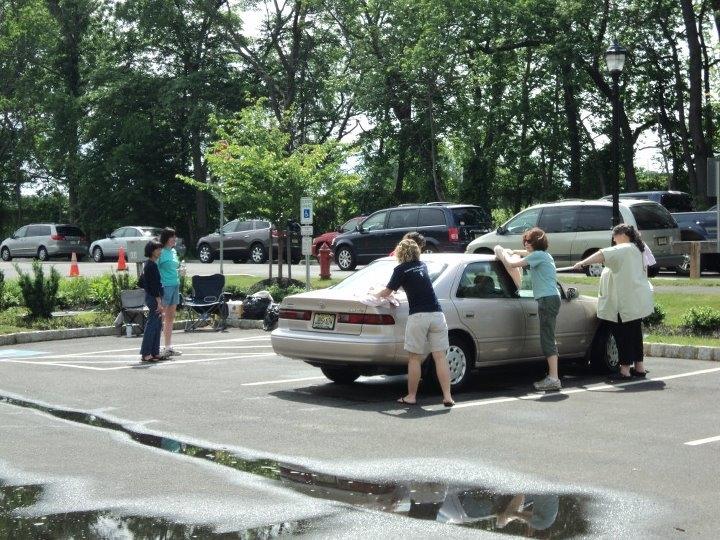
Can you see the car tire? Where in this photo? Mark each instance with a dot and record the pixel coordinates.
(653, 270)
(340, 375)
(683, 269)
(5, 254)
(430, 249)
(593, 270)
(258, 254)
(97, 254)
(604, 356)
(296, 260)
(42, 254)
(459, 357)
(205, 254)
(345, 258)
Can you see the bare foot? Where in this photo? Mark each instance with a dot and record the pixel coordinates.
(406, 401)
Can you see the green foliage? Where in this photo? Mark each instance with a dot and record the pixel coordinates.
(118, 282)
(657, 317)
(75, 293)
(39, 292)
(278, 292)
(18, 320)
(501, 215)
(702, 320)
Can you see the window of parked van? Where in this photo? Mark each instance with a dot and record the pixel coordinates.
(403, 219)
(470, 216)
(38, 230)
(595, 218)
(523, 221)
(430, 217)
(375, 222)
(558, 219)
(652, 216)
(21, 232)
(677, 202)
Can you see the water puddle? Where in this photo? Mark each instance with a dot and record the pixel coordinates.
(562, 515)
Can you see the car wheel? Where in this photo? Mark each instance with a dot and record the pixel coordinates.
(430, 249)
(653, 270)
(5, 254)
(594, 270)
(345, 258)
(604, 356)
(205, 254)
(460, 360)
(296, 260)
(42, 254)
(97, 254)
(257, 254)
(340, 375)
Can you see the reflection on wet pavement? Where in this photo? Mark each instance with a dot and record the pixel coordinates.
(563, 515)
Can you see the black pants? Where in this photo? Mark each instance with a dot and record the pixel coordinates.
(629, 340)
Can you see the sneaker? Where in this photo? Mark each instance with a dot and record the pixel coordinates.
(165, 353)
(173, 352)
(548, 384)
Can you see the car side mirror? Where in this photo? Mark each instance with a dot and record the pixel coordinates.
(571, 293)
(501, 230)
(109, 235)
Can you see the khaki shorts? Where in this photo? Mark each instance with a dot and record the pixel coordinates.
(424, 328)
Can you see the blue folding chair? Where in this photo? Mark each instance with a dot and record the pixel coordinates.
(208, 304)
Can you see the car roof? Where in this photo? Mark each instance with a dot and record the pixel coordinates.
(592, 202)
(430, 205)
(450, 257)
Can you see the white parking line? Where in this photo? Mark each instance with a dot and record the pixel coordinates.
(280, 381)
(591, 388)
(703, 441)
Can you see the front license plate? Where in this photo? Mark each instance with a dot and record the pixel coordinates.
(324, 321)
(661, 240)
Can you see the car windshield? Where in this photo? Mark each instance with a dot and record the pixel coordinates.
(350, 225)
(377, 274)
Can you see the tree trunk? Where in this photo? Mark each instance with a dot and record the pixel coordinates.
(695, 117)
(524, 124)
(572, 116)
(403, 112)
(199, 175)
(716, 15)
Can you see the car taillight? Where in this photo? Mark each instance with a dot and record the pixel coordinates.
(295, 314)
(274, 233)
(453, 234)
(367, 318)
(58, 237)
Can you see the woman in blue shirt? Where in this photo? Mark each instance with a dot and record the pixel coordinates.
(544, 283)
(169, 266)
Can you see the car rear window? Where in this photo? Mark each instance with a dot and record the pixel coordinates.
(67, 230)
(470, 216)
(652, 216)
(677, 202)
(377, 275)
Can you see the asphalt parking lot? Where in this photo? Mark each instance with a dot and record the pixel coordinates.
(101, 432)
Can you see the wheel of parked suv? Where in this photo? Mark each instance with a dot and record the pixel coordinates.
(257, 254)
(683, 269)
(604, 356)
(42, 253)
(430, 249)
(205, 254)
(5, 254)
(460, 360)
(340, 375)
(97, 254)
(653, 270)
(345, 258)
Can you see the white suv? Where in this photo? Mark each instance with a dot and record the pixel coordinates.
(577, 228)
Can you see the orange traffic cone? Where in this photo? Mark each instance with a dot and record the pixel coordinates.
(122, 266)
(74, 269)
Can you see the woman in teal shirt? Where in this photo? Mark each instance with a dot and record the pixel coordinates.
(169, 266)
(544, 283)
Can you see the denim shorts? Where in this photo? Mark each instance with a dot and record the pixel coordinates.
(171, 295)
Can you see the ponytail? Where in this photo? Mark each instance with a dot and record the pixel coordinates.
(632, 233)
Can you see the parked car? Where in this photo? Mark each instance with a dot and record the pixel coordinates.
(447, 227)
(334, 330)
(699, 226)
(109, 247)
(246, 239)
(578, 228)
(327, 237)
(674, 201)
(43, 241)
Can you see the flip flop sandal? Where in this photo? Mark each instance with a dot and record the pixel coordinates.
(640, 374)
(151, 360)
(402, 400)
(449, 403)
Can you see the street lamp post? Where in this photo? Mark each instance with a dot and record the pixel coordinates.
(615, 60)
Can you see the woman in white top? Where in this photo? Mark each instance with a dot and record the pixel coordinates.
(625, 296)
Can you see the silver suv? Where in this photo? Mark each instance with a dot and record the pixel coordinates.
(578, 228)
(45, 240)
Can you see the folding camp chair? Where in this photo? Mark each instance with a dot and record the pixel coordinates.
(132, 308)
(208, 303)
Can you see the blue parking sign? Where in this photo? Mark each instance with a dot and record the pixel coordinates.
(306, 210)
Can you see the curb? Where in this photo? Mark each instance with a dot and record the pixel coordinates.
(686, 352)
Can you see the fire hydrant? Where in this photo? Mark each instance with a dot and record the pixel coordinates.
(325, 255)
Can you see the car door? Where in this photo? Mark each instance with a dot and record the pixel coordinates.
(34, 238)
(570, 328)
(488, 306)
(594, 228)
(369, 242)
(400, 222)
(114, 242)
(559, 223)
(242, 238)
(16, 244)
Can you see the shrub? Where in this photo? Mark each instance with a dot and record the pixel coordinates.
(702, 320)
(283, 283)
(39, 293)
(13, 295)
(118, 282)
(656, 317)
(278, 292)
(75, 293)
